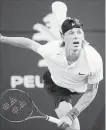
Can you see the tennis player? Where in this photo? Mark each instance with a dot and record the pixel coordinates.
(74, 68)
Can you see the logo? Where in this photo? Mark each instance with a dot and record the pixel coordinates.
(73, 24)
(12, 104)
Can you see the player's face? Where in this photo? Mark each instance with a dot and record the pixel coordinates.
(74, 39)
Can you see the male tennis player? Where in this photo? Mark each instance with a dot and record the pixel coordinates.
(74, 68)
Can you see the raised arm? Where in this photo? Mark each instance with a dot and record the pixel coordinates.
(20, 42)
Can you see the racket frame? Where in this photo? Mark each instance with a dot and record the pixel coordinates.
(8, 90)
(46, 117)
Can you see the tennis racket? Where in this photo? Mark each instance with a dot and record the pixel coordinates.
(17, 106)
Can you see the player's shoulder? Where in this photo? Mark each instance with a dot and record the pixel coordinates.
(53, 43)
(49, 48)
(93, 54)
(53, 46)
(94, 58)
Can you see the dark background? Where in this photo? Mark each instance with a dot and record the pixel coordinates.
(17, 18)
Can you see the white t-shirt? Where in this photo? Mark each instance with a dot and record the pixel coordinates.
(75, 77)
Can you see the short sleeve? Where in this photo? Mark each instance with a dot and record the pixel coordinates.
(48, 49)
(45, 50)
(97, 75)
(42, 50)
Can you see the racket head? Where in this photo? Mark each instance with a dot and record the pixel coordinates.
(15, 105)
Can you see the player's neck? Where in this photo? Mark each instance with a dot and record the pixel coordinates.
(73, 56)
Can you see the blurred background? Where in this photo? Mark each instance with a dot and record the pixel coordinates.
(34, 19)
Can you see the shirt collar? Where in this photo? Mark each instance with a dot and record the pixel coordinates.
(62, 53)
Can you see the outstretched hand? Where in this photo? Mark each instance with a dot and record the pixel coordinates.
(65, 122)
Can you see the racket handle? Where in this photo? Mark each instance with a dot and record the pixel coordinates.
(53, 119)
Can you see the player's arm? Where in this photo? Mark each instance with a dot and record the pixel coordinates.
(84, 101)
(20, 42)
(92, 88)
(87, 97)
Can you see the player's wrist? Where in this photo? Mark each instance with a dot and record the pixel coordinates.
(73, 113)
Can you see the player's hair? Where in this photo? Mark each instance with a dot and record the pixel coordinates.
(70, 23)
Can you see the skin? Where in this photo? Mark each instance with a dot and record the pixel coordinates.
(73, 50)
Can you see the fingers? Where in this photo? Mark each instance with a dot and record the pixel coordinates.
(65, 122)
(64, 125)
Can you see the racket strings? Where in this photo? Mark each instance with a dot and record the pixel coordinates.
(12, 100)
(17, 106)
(15, 110)
(5, 106)
(11, 104)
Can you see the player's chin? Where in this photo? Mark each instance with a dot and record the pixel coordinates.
(76, 48)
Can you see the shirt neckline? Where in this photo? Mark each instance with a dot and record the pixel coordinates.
(62, 53)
